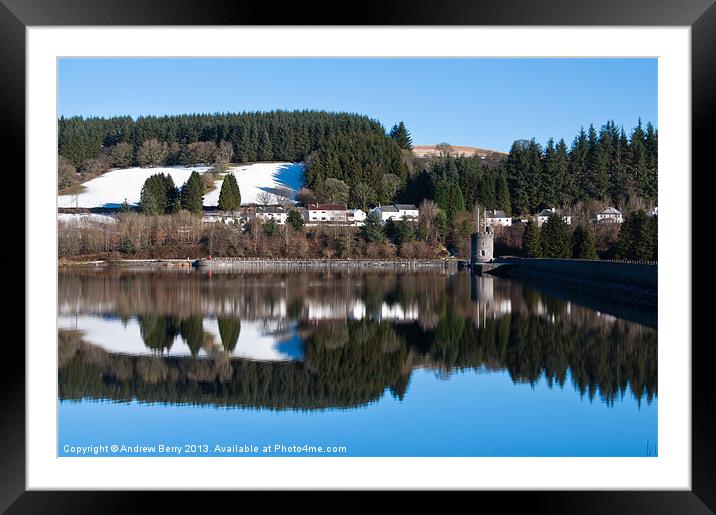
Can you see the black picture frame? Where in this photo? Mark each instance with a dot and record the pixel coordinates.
(700, 15)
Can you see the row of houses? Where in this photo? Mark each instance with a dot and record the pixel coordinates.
(314, 214)
(606, 215)
(339, 214)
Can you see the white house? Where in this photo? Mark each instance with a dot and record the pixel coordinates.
(543, 215)
(355, 216)
(396, 212)
(275, 213)
(327, 213)
(407, 210)
(226, 217)
(610, 215)
(495, 218)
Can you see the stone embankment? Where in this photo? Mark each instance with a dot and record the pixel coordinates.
(267, 264)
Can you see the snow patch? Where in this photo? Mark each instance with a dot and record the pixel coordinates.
(111, 189)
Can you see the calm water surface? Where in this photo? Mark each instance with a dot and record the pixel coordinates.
(358, 364)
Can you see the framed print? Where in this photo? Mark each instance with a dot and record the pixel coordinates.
(417, 252)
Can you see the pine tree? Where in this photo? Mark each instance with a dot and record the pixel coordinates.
(295, 220)
(531, 246)
(637, 237)
(192, 192)
(265, 149)
(229, 330)
(401, 136)
(372, 230)
(503, 194)
(229, 196)
(404, 232)
(583, 243)
(556, 238)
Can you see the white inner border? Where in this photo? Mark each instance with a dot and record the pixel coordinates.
(672, 468)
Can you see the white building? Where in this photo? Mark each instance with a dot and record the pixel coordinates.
(355, 216)
(275, 213)
(544, 215)
(226, 217)
(396, 212)
(327, 213)
(610, 215)
(495, 218)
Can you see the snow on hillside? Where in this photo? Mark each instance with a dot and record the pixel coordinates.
(84, 218)
(112, 188)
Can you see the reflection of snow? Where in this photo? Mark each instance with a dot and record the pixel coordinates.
(258, 339)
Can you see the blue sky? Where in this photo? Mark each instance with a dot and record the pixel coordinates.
(487, 103)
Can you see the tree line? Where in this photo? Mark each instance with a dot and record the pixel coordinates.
(637, 239)
(604, 166)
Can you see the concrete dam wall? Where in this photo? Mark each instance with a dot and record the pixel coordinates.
(627, 282)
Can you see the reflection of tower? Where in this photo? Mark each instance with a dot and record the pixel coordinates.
(481, 242)
(482, 294)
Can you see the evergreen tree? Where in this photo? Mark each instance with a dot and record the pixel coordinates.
(229, 330)
(531, 246)
(230, 195)
(192, 194)
(583, 243)
(579, 164)
(192, 331)
(637, 237)
(556, 238)
(503, 194)
(404, 232)
(265, 149)
(158, 194)
(295, 220)
(372, 230)
(401, 136)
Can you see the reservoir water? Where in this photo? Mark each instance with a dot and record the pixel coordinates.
(349, 363)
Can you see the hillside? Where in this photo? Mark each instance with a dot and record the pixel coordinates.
(491, 157)
(113, 187)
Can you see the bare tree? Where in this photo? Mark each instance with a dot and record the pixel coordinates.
(283, 195)
(306, 196)
(201, 152)
(444, 149)
(121, 155)
(152, 153)
(428, 212)
(224, 153)
(364, 194)
(264, 198)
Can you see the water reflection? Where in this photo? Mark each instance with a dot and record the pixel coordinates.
(308, 341)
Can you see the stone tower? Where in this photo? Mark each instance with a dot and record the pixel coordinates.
(482, 242)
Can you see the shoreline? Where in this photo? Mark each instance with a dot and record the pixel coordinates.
(237, 264)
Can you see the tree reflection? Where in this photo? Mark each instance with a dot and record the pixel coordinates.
(363, 335)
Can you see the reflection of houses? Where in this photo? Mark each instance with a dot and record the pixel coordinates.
(610, 215)
(356, 309)
(396, 212)
(495, 218)
(544, 215)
